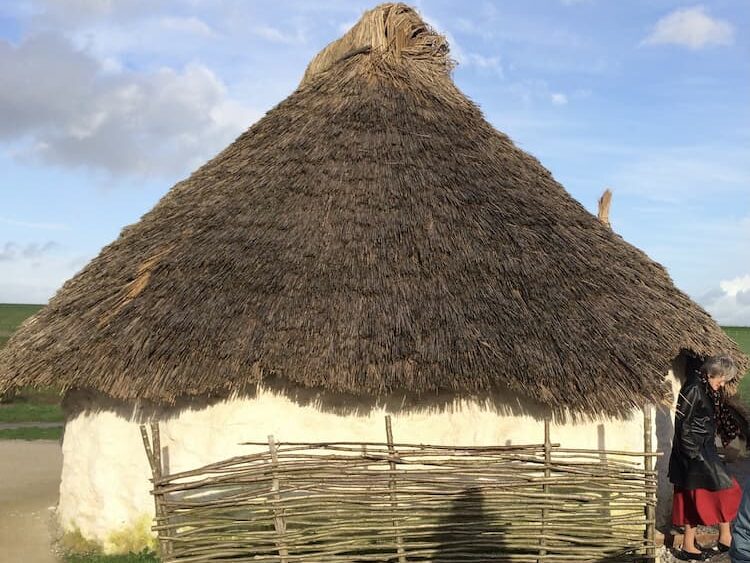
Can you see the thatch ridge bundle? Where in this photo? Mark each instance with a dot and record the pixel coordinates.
(392, 31)
(371, 234)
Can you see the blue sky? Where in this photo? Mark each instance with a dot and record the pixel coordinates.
(105, 104)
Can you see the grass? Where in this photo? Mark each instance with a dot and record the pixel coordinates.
(30, 412)
(144, 557)
(13, 315)
(741, 335)
(31, 433)
(30, 395)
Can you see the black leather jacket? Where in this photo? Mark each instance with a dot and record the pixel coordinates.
(695, 463)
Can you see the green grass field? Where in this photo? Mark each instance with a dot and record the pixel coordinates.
(34, 405)
(31, 411)
(32, 433)
(741, 335)
(13, 315)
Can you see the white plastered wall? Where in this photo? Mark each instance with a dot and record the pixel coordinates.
(104, 494)
(664, 432)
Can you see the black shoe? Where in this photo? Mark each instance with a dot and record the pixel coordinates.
(688, 556)
(714, 549)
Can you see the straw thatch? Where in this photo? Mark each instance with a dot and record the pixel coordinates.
(371, 233)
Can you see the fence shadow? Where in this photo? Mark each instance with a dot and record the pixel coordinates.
(468, 533)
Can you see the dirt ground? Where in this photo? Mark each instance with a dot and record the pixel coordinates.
(29, 485)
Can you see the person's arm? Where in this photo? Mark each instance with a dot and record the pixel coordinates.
(694, 432)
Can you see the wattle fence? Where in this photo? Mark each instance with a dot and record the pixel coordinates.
(357, 502)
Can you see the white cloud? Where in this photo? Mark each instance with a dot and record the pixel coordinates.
(276, 35)
(491, 26)
(190, 25)
(559, 99)
(678, 174)
(63, 106)
(35, 280)
(535, 91)
(692, 28)
(730, 305)
(736, 286)
(473, 29)
(34, 271)
(12, 251)
(482, 62)
(466, 59)
(34, 225)
(80, 12)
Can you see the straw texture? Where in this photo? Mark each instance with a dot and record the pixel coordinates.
(371, 233)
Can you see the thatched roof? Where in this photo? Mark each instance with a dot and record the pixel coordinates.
(372, 233)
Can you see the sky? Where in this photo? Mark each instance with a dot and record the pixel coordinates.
(105, 104)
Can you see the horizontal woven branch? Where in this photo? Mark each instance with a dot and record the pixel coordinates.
(345, 501)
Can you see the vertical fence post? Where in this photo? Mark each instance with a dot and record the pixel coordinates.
(648, 460)
(153, 453)
(392, 486)
(545, 488)
(278, 519)
(160, 508)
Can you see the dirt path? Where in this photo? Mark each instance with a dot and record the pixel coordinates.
(29, 484)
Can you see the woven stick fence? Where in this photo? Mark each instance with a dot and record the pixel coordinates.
(357, 502)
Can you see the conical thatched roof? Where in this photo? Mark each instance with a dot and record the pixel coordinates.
(372, 233)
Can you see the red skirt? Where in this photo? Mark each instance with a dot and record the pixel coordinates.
(701, 507)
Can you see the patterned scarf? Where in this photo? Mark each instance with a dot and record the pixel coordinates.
(726, 425)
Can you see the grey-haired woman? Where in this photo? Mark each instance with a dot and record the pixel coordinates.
(704, 491)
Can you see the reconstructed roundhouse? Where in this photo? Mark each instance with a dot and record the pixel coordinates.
(372, 245)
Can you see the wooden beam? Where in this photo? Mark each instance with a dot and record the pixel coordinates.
(604, 203)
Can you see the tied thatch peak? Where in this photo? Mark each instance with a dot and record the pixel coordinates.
(392, 31)
(371, 234)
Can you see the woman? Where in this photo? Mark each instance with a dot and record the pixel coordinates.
(704, 492)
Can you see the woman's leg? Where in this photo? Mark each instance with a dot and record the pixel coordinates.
(725, 533)
(688, 540)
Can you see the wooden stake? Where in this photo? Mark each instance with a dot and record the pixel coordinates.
(392, 487)
(278, 520)
(153, 453)
(648, 461)
(166, 545)
(156, 439)
(545, 488)
(604, 203)
(147, 447)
